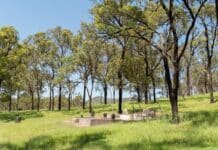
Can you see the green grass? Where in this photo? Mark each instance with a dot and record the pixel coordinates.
(46, 130)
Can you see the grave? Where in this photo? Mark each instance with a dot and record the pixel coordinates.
(93, 121)
(137, 116)
(106, 119)
(90, 121)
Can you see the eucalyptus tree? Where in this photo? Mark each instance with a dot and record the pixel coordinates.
(87, 57)
(16, 69)
(80, 65)
(51, 67)
(69, 80)
(180, 37)
(62, 38)
(29, 85)
(113, 26)
(210, 26)
(134, 72)
(51, 73)
(170, 24)
(38, 46)
(70, 86)
(151, 61)
(8, 68)
(107, 52)
(12, 83)
(8, 42)
(189, 57)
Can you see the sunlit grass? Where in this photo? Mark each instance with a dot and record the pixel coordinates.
(46, 130)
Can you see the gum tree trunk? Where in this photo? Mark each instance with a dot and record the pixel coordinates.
(84, 93)
(154, 89)
(120, 92)
(173, 89)
(38, 100)
(138, 93)
(10, 103)
(146, 93)
(50, 98)
(105, 93)
(32, 101)
(60, 97)
(52, 93)
(69, 101)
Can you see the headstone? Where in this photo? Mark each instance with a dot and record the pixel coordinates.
(113, 116)
(105, 115)
(17, 119)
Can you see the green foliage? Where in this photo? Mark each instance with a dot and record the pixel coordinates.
(4, 97)
(77, 101)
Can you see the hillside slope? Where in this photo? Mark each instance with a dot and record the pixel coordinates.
(47, 130)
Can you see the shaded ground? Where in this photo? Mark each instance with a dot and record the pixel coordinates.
(7, 117)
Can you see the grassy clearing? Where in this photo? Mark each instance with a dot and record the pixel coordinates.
(47, 130)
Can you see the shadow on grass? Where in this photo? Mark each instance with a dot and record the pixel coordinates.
(202, 117)
(87, 140)
(98, 140)
(7, 117)
(8, 146)
(94, 141)
(36, 143)
(40, 142)
(183, 143)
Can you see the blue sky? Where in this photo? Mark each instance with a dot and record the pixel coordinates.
(31, 16)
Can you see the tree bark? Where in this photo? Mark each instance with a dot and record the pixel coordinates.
(84, 94)
(50, 98)
(188, 81)
(205, 82)
(120, 77)
(210, 76)
(146, 93)
(211, 86)
(114, 91)
(52, 93)
(10, 103)
(138, 90)
(90, 104)
(52, 90)
(38, 100)
(216, 10)
(174, 106)
(90, 95)
(69, 101)
(173, 90)
(120, 92)
(18, 99)
(60, 97)
(209, 52)
(154, 89)
(173, 85)
(32, 101)
(105, 93)
(166, 88)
